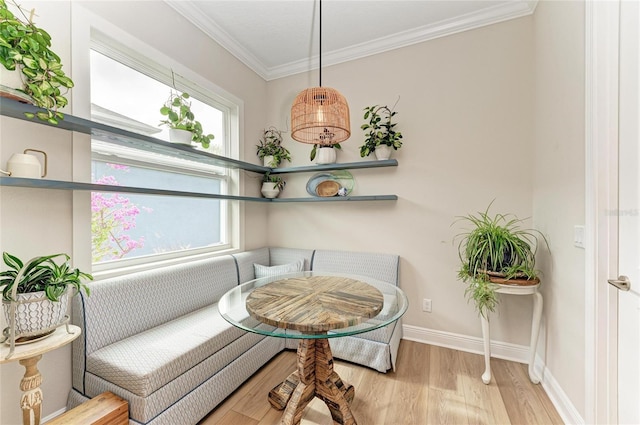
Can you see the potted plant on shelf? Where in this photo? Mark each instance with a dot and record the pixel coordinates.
(270, 148)
(183, 127)
(381, 135)
(39, 285)
(30, 70)
(272, 186)
(496, 250)
(326, 154)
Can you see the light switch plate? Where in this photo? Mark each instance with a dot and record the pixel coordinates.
(578, 236)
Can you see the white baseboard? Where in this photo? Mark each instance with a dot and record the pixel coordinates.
(502, 350)
(470, 344)
(558, 397)
(55, 414)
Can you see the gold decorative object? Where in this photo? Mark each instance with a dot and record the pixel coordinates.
(328, 188)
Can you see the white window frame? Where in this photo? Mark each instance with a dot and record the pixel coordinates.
(92, 32)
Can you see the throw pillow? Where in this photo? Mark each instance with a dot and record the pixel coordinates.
(266, 271)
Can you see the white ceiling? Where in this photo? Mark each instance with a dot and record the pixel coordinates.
(277, 38)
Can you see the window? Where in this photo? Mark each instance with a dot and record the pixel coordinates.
(130, 229)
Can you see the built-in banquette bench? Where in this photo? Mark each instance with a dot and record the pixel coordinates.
(156, 339)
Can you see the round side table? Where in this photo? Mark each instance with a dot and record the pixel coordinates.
(28, 356)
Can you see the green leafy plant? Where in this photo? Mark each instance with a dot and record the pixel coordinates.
(177, 109)
(41, 274)
(495, 248)
(314, 150)
(27, 48)
(271, 145)
(380, 130)
(276, 180)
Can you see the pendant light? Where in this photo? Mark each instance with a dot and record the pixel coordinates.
(320, 115)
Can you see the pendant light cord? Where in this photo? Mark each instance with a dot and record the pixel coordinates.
(320, 50)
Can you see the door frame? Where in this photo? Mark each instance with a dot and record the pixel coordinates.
(601, 201)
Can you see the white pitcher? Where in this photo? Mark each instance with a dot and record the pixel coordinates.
(24, 165)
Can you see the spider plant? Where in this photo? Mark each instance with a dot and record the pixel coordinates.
(496, 246)
(41, 274)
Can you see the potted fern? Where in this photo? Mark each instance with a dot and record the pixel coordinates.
(270, 148)
(381, 134)
(35, 293)
(31, 70)
(183, 126)
(496, 250)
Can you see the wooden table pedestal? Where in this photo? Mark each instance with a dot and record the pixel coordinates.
(314, 377)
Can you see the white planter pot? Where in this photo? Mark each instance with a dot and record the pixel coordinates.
(383, 152)
(269, 161)
(10, 82)
(326, 155)
(11, 79)
(35, 312)
(182, 137)
(268, 191)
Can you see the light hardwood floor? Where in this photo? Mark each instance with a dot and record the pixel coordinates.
(432, 385)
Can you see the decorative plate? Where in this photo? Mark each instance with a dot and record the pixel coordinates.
(342, 177)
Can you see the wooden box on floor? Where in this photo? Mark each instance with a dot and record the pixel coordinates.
(105, 409)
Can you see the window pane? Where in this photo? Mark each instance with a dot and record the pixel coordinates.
(125, 225)
(128, 225)
(120, 92)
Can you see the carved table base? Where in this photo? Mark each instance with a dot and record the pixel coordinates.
(31, 400)
(314, 377)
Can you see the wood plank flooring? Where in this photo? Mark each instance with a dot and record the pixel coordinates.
(432, 385)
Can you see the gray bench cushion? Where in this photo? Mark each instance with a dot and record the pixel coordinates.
(209, 382)
(145, 362)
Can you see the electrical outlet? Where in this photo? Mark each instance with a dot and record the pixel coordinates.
(426, 305)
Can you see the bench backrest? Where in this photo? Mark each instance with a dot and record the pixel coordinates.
(123, 306)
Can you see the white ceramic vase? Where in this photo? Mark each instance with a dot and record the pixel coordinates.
(35, 312)
(268, 191)
(382, 152)
(182, 137)
(325, 155)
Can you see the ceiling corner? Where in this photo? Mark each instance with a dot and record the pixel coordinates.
(194, 15)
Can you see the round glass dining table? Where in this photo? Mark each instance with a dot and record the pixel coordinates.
(313, 307)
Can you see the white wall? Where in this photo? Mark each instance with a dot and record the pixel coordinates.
(24, 231)
(465, 111)
(559, 187)
(490, 113)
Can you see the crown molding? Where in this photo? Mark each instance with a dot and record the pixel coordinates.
(481, 18)
(193, 14)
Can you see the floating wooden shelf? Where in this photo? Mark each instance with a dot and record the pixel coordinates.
(64, 185)
(336, 166)
(115, 135)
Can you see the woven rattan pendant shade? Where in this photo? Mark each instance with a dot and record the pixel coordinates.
(320, 115)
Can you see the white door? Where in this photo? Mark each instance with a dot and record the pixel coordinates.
(628, 373)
